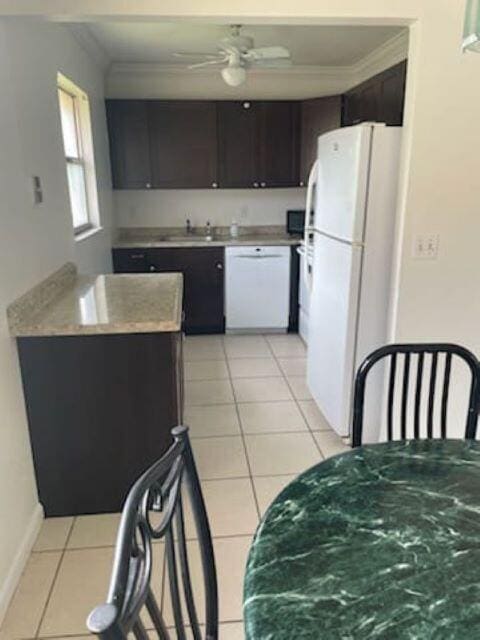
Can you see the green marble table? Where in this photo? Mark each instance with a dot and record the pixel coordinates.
(381, 542)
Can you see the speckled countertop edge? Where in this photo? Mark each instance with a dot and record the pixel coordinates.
(155, 237)
(40, 296)
(51, 307)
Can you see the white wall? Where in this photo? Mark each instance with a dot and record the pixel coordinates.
(35, 240)
(171, 207)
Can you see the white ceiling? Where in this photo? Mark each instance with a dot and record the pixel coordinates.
(309, 45)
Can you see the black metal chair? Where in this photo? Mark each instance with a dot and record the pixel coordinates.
(154, 510)
(435, 353)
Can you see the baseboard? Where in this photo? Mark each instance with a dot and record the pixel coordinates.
(8, 587)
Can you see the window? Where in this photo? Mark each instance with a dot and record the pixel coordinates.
(78, 148)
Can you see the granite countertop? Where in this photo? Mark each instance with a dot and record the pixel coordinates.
(151, 237)
(379, 542)
(70, 304)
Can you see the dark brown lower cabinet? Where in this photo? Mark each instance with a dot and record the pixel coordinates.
(100, 410)
(203, 277)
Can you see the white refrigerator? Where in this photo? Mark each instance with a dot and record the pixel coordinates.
(353, 190)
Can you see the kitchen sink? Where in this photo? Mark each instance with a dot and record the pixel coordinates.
(185, 238)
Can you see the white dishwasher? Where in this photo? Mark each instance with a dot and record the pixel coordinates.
(257, 288)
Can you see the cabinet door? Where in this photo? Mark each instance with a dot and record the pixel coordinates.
(392, 91)
(379, 99)
(279, 143)
(350, 109)
(203, 269)
(318, 116)
(238, 141)
(129, 260)
(183, 143)
(129, 143)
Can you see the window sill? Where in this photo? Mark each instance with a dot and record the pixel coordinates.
(88, 233)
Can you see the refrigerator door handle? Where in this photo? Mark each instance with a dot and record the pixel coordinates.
(332, 236)
(308, 209)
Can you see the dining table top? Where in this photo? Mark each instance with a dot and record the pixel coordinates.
(380, 542)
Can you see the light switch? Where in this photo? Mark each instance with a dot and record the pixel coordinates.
(37, 190)
(425, 246)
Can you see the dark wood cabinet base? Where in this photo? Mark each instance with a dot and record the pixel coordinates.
(100, 410)
(203, 279)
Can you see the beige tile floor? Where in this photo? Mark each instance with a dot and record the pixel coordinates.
(253, 426)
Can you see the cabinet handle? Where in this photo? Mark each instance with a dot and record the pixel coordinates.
(152, 268)
(215, 185)
(302, 184)
(255, 184)
(219, 266)
(148, 185)
(263, 184)
(137, 256)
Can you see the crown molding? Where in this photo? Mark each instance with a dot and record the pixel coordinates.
(90, 44)
(386, 55)
(149, 68)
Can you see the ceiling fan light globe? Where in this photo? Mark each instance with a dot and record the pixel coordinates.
(234, 76)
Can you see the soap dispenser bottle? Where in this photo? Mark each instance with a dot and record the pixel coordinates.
(234, 229)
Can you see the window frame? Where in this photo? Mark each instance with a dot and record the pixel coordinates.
(85, 152)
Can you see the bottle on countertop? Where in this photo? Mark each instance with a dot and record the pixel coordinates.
(234, 229)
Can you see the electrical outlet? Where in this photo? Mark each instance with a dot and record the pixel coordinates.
(244, 212)
(425, 246)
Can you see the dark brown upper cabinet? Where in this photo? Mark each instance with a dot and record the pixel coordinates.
(378, 99)
(279, 154)
(129, 136)
(238, 141)
(258, 144)
(318, 116)
(183, 144)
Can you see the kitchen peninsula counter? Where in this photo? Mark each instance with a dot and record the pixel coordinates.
(102, 372)
(72, 304)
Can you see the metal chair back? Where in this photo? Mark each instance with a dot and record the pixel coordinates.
(153, 511)
(440, 358)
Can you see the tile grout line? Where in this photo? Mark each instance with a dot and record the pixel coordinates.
(57, 571)
(296, 400)
(242, 435)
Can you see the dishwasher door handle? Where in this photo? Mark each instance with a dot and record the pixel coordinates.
(258, 256)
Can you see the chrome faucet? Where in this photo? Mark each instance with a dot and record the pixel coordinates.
(208, 231)
(188, 226)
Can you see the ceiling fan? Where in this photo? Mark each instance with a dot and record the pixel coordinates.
(238, 53)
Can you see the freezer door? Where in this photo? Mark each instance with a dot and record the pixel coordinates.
(332, 328)
(341, 182)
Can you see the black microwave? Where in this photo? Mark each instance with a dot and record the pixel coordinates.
(295, 221)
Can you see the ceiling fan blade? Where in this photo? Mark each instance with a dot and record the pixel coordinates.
(229, 49)
(279, 63)
(207, 63)
(267, 53)
(190, 54)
